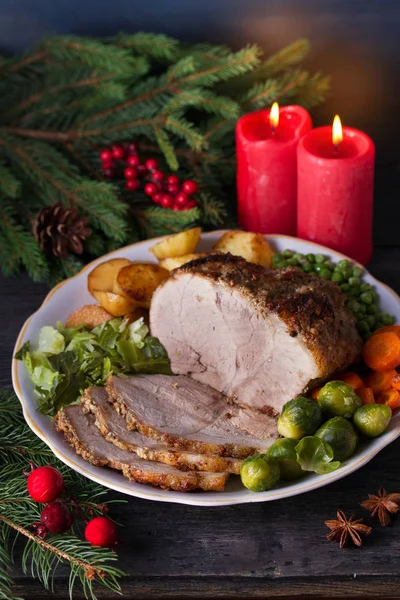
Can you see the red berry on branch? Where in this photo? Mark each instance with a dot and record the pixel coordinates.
(157, 197)
(176, 206)
(108, 165)
(132, 148)
(100, 531)
(56, 517)
(157, 176)
(141, 169)
(106, 156)
(191, 204)
(150, 189)
(133, 160)
(190, 187)
(109, 173)
(151, 164)
(118, 152)
(173, 188)
(173, 180)
(182, 199)
(132, 185)
(166, 201)
(45, 484)
(130, 173)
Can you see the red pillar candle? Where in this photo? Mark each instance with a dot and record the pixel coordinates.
(335, 190)
(267, 169)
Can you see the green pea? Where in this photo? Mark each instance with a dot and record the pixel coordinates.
(355, 281)
(292, 261)
(337, 277)
(325, 273)
(308, 268)
(311, 258)
(387, 319)
(298, 256)
(283, 264)
(343, 264)
(371, 320)
(329, 265)
(319, 258)
(362, 310)
(287, 253)
(276, 259)
(353, 305)
(363, 327)
(354, 291)
(344, 287)
(366, 287)
(372, 309)
(346, 273)
(357, 272)
(366, 297)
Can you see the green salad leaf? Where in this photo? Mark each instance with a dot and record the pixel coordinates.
(70, 359)
(313, 454)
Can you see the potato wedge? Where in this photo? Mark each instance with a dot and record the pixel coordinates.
(102, 277)
(89, 315)
(137, 313)
(173, 263)
(251, 246)
(179, 244)
(138, 282)
(116, 305)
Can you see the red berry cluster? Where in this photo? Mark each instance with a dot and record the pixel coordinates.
(45, 485)
(167, 191)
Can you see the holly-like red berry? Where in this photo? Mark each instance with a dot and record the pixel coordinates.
(133, 160)
(45, 484)
(191, 204)
(166, 201)
(106, 156)
(130, 173)
(182, 199)
(118, 152)
(173, 180)
(190, 187)
(173, 188)
(56, 517)
(100, 531)
(157, 176)
(132, 185)
(150, 189)
(151, 164)
(132, 148)
(157, 197)
(141, 169)
(176, 206)
(108, 165)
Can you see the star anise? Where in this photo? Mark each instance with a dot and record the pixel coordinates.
(382, 504)
(343, 529)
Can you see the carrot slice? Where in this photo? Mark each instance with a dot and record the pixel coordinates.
(390, 398)
(388, 329)
(395, 382)
(382, 352)
(366, 395)
(380, 381)
(314, 393)
(351, 379)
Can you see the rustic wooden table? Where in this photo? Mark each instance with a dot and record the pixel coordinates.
(271, 550)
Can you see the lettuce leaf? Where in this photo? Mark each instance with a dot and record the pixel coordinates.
(313, 454)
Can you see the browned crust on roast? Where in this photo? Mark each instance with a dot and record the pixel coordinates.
(311, 307)
(173, 440)
(184, 482)
(179, 460)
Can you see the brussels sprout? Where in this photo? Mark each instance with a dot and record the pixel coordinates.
(284, 451)
(372, 419)
(313, 454)
(259, 473)
(339, 399)
(300, 416)
(340, 434)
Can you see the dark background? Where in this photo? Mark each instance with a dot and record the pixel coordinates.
(356, 41)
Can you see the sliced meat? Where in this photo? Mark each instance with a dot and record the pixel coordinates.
(260, 337)
(188, 415)
(81, 433)
(113, 427)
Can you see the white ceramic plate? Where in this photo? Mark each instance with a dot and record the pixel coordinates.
(72, 294)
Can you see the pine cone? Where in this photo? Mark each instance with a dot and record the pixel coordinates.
(60, 230)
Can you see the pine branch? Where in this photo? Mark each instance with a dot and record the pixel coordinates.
(156, 221)
(9, 185)
(149, 44)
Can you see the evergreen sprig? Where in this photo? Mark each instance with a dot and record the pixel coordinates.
(72, 96)
(89, 565)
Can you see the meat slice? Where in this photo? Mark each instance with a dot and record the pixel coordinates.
(260, 337)
(113, 427)
(188, 415)
(81, 433)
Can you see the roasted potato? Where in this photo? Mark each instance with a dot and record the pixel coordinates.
(101, 278)
(251, 246)
(173, 263)
(116, 305)
(138, 281)
(179, 244)
(137, 313)
(89, 315)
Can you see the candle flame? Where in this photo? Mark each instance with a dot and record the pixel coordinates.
(274, 115)
(337, 131)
